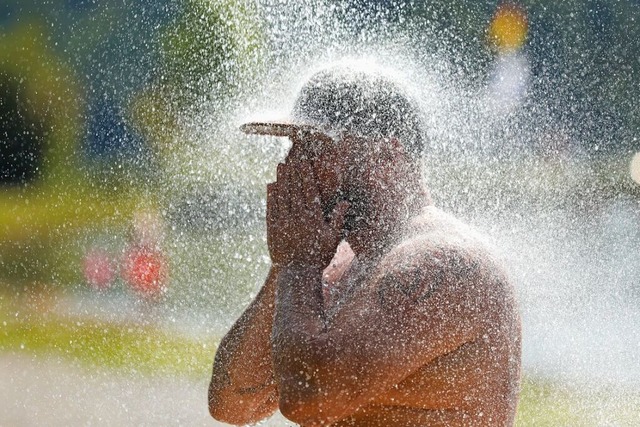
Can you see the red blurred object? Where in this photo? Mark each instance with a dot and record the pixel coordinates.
(145, 270)
(99, 270)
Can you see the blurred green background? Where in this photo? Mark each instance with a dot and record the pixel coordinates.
(131, 230)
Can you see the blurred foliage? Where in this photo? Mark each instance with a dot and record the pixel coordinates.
(48, 90)
(37, 215)
(583, 59)
(204, 53)
(582, 52)
(210, 54)
(212, 42)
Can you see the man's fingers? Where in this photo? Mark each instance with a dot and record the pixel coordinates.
(297, 146)
(309, 187)
(284, 189)
(280, 172)
(295, 187)
(280, 186)
(272, 202)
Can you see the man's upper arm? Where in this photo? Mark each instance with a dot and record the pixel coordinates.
(418, 306)
(425, 302)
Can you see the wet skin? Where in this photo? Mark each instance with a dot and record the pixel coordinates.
(410, 322)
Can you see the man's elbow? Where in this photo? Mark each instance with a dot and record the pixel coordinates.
(312, 393)
(219, 407)
(307, 406)
(228, 406)
(222, 414)
(224, 407)
(231, 413)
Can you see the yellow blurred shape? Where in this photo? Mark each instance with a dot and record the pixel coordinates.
(634, 168)
(508, 29)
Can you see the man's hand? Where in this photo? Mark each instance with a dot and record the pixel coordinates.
(296, 228)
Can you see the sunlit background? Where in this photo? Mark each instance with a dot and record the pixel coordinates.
(131, 207)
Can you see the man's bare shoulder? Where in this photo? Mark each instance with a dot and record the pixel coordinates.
(443, 229)
(436, 233)
(439, 251)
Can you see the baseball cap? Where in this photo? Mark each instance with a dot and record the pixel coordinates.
(343, 99)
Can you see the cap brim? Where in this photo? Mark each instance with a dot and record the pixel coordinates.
(278, 128)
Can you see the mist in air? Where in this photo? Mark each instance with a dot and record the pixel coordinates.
(531, 122)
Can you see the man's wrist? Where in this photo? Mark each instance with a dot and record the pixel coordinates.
(300, 268)
(301, 264)
(298, 282)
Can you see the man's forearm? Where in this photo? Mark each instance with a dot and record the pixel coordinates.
(299, 300)
(302, 347)
(242, 381)
(299, 323)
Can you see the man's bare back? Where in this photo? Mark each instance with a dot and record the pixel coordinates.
(477, 382)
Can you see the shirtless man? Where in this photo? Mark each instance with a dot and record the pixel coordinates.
(379, 309)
